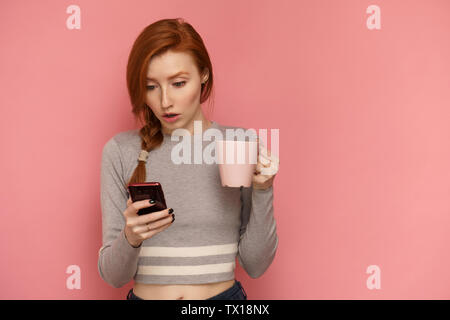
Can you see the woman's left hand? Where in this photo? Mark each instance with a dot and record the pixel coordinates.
(266, 169)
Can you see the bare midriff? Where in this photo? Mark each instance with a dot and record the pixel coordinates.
(180, 291)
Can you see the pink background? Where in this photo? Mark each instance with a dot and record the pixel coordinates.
(364, 138)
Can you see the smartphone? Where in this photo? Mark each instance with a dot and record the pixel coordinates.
(148, 190)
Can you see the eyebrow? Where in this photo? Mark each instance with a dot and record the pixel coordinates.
(172, 76)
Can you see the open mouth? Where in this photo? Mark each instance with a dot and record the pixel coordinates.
(171, 117)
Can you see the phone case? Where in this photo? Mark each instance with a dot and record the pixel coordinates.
(148, 190)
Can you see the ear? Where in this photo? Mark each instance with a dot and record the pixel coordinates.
(205, 75)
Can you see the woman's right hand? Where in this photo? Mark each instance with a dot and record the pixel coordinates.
(139, 228)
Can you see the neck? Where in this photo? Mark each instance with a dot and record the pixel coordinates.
(190, 126)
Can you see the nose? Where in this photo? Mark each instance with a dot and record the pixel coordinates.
(165, 99)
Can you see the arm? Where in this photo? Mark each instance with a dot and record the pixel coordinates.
(258, 235)
(117, 259)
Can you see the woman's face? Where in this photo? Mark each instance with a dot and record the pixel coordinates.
(179, 94)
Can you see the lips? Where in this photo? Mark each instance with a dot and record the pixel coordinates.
(169, 115)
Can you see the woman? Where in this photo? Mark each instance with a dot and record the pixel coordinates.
(169, 72)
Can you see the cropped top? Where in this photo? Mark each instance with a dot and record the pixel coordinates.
(214, 225)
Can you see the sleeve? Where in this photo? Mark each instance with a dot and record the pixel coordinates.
(117, 259)
(258, 234)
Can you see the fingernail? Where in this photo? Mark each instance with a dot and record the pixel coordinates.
(152, 201)
(173, 217)
(170, 210)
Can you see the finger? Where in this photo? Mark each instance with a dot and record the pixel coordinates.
(132, 210)
(160, 223)
(271, 170)
(266, 157)
(140, 229)
(264, 161)
(259, 179)
(258, 168)
(152, 232)
(153, 225)
(129, 202)
(154, 216)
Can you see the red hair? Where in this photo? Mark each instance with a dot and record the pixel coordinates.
(157, 38)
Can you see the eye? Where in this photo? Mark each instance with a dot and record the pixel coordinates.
(183, 82)
(175, 83)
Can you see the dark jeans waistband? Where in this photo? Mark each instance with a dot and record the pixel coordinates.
(236, 292)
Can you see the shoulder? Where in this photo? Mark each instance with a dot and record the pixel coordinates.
(123, 142)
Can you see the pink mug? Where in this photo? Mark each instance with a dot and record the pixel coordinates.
(237, 162)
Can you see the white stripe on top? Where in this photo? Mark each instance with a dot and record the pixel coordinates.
(189, 251)
(186, 270)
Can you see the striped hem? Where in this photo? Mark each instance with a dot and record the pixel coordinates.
(192, 268)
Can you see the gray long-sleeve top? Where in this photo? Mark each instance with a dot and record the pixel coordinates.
(214, 224)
